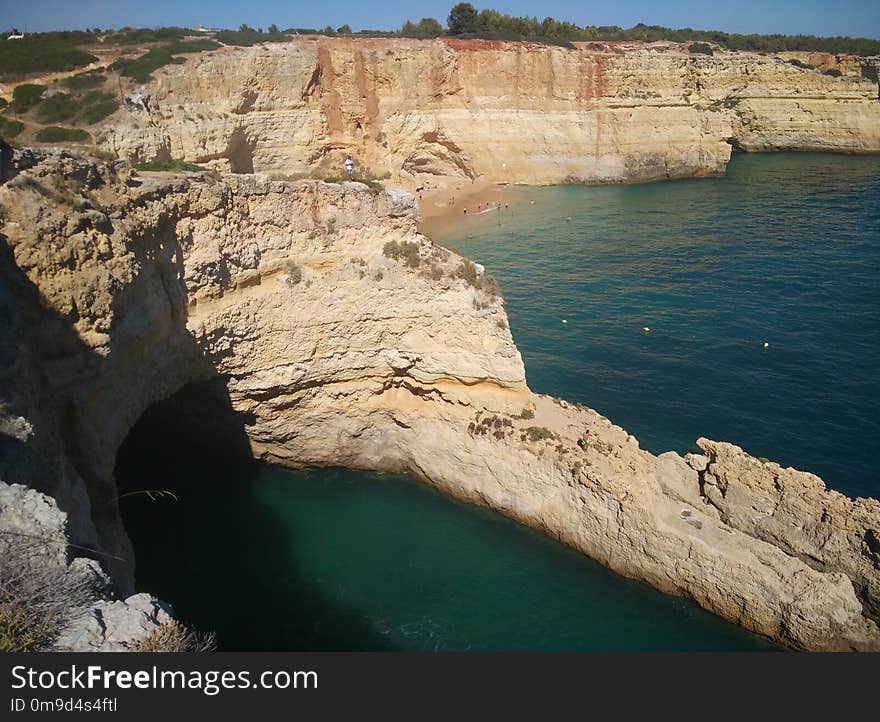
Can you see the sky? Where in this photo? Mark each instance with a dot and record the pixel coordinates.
(815, 17)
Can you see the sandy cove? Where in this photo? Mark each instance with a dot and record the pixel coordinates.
(448, 198)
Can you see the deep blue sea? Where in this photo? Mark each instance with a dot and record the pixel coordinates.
(784, 250)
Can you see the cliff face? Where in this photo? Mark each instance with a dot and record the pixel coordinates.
(119, 292)
(331, 332)
(517, 112)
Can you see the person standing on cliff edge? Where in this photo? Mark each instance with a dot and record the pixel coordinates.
(349, 167)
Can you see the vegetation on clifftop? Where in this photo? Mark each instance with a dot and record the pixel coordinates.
(248, 36)
(465, 19)
(139, 68)
(44, 52)
(67, 50)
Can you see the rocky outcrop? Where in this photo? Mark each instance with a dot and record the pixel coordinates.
(515, 112)
(87, 617)
(327, 331)
(795, 512)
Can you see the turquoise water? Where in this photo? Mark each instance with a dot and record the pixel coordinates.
(784, 250)
(338, 560)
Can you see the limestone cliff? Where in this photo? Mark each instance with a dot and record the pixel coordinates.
(330, 332)
(517, 112)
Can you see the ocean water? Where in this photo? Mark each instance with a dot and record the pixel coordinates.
(337, 560)
(784, 250)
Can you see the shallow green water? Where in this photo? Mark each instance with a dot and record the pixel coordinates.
(783, 250)
(337, 560)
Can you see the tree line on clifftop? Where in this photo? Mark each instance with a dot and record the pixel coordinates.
(465, 20)
(60, 51)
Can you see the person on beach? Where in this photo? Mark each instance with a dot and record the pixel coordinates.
(349, 167)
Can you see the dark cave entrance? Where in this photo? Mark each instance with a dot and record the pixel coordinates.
(176, 473)
(206, 541)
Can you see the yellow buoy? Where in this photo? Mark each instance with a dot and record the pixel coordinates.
(646, 329)
(766, 345)
(564, 320)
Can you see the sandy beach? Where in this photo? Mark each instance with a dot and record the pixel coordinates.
(448, 198)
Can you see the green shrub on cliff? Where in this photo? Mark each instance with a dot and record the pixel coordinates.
(467, 271)
(84, 81)
(539, 433)
(701, 49)
(833, 72)
(139, 69)
(247, 37)
(54, 134)
(26, 96)
(425, 28)
(168, 165)
(10, 128)
(87, 109)
(96, 106)
(57, 108)
(146, 35)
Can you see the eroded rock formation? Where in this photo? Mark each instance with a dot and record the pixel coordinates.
(517, 112)
(334, 333)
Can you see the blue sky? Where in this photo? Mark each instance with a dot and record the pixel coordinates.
(817, 17)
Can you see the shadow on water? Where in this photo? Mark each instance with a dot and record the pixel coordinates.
(220, 554)
(273, 559)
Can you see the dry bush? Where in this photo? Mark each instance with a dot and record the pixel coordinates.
(539, 433)
(293, 273)
(434, 272)
(467, 271)
(38, 594)
(176, 637)
(405, 251)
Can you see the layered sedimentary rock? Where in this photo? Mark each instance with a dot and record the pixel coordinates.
(326, 330)
(517, 112)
